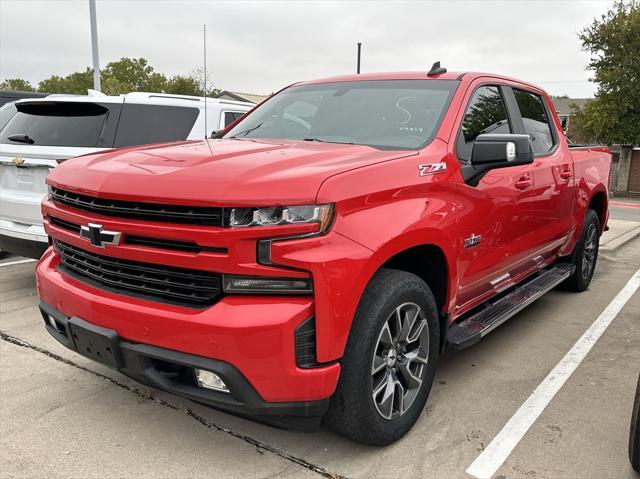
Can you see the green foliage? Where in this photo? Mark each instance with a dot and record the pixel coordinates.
(76, 83)
(613, 116)
(122, 76)
(16, 84)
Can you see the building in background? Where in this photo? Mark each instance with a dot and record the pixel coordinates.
(237, 96)
(564, 109)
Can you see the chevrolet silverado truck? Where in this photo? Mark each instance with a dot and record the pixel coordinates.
(312, 261)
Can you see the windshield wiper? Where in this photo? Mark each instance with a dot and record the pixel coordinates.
(328, 141)
(21, 138)
(246, 132)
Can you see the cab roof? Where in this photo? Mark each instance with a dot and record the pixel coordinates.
(416, 75)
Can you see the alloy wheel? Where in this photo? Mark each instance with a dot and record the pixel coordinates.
(590, 251)
(399, 360)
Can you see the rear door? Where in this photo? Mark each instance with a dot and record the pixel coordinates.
(552, 196)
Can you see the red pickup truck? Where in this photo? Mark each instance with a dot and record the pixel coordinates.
(312, 261)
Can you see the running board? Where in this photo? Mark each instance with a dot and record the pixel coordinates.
(477, 324)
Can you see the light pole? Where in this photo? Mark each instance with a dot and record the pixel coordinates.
(94, 45)
(359, 50)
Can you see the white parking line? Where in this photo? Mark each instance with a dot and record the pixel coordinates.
(20, 261)
(488, 462)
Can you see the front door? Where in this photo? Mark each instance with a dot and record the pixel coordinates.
(495, 214)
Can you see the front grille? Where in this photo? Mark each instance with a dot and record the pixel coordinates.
(196, 215)
(147, 242)
(185, 287)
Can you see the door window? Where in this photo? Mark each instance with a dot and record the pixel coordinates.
(486, 113)
(230, 117)
(145, 124)
(535, 119)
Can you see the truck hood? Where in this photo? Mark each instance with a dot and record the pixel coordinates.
(216, 172)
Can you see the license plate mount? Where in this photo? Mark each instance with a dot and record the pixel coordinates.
(95, 342)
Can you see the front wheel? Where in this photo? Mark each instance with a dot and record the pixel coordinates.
(585, 255)
(389, 362)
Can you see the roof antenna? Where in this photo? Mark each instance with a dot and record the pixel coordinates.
(204, 34)
(436, 69)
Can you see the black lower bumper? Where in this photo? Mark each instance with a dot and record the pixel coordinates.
(173, 371)
(22, 247)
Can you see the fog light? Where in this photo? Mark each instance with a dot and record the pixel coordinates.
(209, 380)
(52, 321)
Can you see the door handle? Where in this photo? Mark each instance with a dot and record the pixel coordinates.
(523, 182)
(566, 175)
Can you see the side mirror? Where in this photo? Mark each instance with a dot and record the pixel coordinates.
(214, 134)
(500, 151)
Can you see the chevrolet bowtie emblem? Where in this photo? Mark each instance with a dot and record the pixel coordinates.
(97, 236)
(17, 161)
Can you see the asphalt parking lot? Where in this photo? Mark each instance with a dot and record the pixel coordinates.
(62, 415)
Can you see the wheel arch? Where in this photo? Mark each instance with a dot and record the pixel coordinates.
(599, 204)
(428, 262)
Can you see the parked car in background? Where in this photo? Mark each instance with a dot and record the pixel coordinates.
(44, 132)
(7, 96)
(315, 259)
(634, 433)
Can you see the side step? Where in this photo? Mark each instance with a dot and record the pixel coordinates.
(477, 324)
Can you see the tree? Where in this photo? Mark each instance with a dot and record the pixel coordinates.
(127, 75)
(76, 83)
(16, 84)
(136, 73)
(613, 116)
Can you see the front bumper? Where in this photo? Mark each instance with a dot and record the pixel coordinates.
(253, 335)
(173, 371)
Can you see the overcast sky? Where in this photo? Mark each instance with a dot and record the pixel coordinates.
(260, 46)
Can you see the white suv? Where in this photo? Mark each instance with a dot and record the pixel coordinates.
(47, 130)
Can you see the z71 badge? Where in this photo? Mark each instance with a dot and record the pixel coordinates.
(432, 168)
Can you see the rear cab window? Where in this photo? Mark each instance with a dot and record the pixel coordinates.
(536, 120)
(69, 124)
(486, 113)
(144, 124)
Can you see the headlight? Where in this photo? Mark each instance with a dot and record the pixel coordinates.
(49, 193)
(259, 285)
(282, 215)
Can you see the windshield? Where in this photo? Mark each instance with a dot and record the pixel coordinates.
(71, 124)
(389, 114)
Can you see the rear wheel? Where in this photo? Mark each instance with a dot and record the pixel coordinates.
(389, 361)
(585, 256)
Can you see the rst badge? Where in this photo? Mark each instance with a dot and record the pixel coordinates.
(473, 240)
(432, 168)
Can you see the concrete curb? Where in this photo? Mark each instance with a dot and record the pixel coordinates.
(617, 242)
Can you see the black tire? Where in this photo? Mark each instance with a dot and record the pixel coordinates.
(353, 411)
(585, 263)
(634, 434)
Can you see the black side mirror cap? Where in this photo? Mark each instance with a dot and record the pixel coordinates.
(500, 151)
(497, 151)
